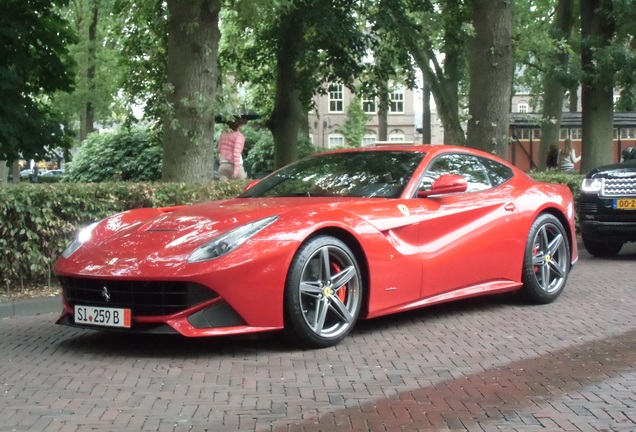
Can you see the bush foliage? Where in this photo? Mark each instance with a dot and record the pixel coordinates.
(126, 154)
(37, 221)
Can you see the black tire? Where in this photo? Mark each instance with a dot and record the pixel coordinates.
(601, 248)
(547, 260)
(323, 293)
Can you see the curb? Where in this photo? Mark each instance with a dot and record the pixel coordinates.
(28, 307)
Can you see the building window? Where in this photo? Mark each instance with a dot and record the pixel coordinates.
(536, 134)
(396, 135)
(369, 106)
(523, 134)
(396, 104)
(368, 139)
(522, 107)
(336, 140)
(564, 134)
(576, 134)
(628, 133)
(336, 98)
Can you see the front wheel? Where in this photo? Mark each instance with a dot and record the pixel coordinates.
(323, 293)
(546, 262)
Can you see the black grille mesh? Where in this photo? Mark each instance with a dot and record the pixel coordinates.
(142, 297)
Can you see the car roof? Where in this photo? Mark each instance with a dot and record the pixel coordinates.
(430, 149)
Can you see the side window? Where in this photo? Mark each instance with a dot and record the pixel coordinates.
(468, 166)
(497, 173)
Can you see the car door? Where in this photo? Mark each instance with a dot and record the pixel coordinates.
(468, 239)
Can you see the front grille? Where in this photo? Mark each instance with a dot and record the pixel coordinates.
(142, 297)
(619, 187)
(588, 207)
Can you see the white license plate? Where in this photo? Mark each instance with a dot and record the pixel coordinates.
(102, 316)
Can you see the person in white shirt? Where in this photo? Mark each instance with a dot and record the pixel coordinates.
(568, 157)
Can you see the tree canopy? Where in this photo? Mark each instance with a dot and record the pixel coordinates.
(64, 66)
(35, 62)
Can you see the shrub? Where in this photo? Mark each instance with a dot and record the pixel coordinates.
(260, 158)
(126, 154)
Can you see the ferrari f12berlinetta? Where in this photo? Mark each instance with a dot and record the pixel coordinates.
(314, 247)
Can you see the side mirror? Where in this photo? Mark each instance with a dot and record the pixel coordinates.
(445, 184)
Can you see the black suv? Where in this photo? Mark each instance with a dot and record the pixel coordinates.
(607, 206)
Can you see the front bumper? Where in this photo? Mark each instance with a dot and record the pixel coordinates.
(600, 221)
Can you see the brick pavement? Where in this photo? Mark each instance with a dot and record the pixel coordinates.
(479, 365)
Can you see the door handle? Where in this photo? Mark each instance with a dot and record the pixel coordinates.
(511, 207)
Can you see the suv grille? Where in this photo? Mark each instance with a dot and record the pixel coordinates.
(619, 187)
(142, 297)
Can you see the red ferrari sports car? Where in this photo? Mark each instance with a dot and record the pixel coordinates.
(333, 238)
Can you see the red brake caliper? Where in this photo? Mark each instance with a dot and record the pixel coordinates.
(342, 292)
(535, 249)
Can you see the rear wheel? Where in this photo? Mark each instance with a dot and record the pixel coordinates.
(601, 248)
(323, 293)
(546, 261)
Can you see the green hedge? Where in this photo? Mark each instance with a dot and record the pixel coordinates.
(37, 221)
(572, 180)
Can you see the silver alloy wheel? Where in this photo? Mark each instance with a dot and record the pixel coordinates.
(550, 258)
(330, 292)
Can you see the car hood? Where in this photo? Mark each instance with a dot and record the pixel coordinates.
(619, 170)
(160, 238)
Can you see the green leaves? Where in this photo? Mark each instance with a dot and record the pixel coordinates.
(34, 63)
(38, 221)
(124, 154)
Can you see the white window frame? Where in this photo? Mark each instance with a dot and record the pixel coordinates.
(576, 133)
(396, 99)
(336, 98)
(522, 107)
(369, 106)
(396, 135)
(335, 140)
(369, 139)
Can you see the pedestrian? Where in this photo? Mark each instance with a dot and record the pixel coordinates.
(568, 157)
(229, 149)
(552, 160)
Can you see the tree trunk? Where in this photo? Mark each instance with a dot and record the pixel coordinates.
(383, 113)
(443, 80)
(193, 76)
(4, 173)
(426, 114)
(553, 89)
(87, 115)
(597, 98)
(491, 69)
(289, 114)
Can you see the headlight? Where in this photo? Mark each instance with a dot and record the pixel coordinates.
(592, 185)
(81, 237)
(229, 241)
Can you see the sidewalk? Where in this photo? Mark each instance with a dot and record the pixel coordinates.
(26, 307)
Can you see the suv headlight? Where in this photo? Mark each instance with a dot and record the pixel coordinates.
(229, 241)
(592, 185)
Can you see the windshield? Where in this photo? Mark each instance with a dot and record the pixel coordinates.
(348, 174)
